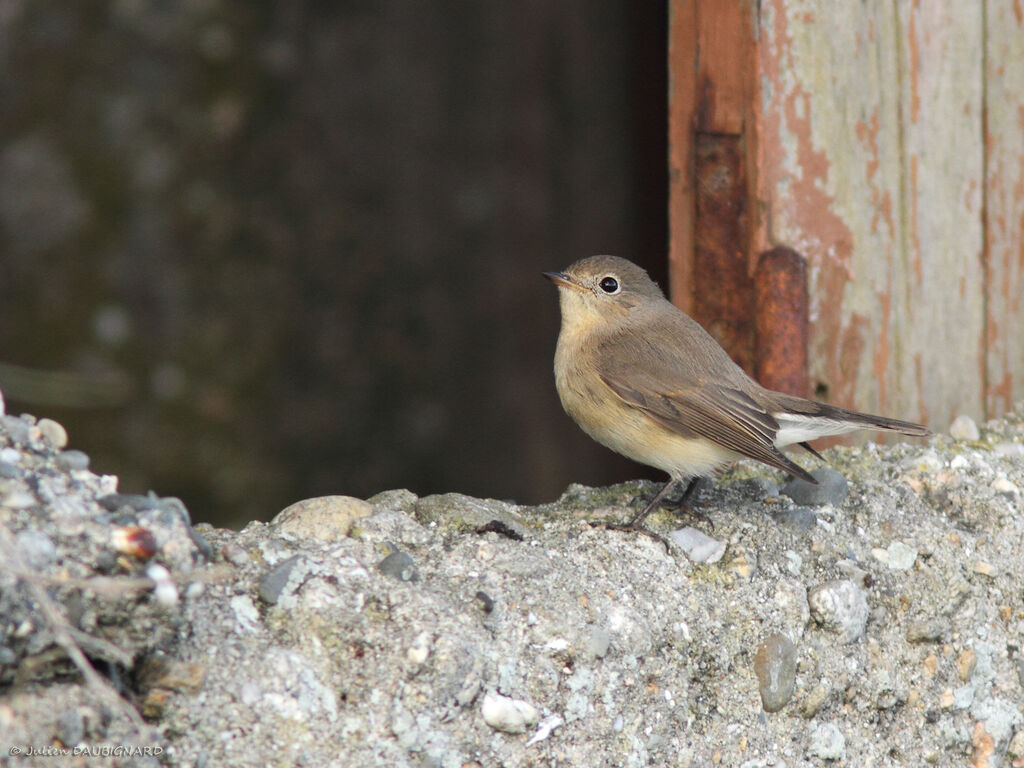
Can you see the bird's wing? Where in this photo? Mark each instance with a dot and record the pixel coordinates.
(675, 396)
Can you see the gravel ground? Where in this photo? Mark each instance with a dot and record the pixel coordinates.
(874, 620)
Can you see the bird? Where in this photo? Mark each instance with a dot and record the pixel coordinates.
(644, 379)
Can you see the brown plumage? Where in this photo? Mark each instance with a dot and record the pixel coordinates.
(642, 378)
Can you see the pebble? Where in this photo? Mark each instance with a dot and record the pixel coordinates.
(832, 488)
(53, 432)
(459, 512)
(966, 663)
(827, 742)
(985, 569)
(841, 607)
(273, 584)
(114, 502)
(164, 590)
(964, 428)
(697, 545)
(397, 500)
(18, 430)
(508, 715)
(9, 471)
(814, 701)
(901, 557)
(799, 520)
(2, 407)
(325, 518)
(418, 652)
(400, 566)
(546, 728)
(72, 460)
(1004, 487)
(775, 667)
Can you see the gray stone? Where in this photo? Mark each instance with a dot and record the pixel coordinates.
(832, 488)
(73, 460)
(399, 565)
(274, 583)
(775, 667)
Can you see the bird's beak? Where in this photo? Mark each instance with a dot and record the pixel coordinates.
(562, 280)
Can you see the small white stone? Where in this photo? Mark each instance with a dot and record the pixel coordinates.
(420, 649)
(901, 557)
(959, 462)
(1002, 485)
(164, 590)
(698, 546)
(827, 742)
(53, 433)
(556, 645)
(964, 428)
(2, 411)
(840, 606)
(545, 729)
(508, 715)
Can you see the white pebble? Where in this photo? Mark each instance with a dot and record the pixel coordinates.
(53, 433)
(508, 715)
(698, 546)
(827, 742)
(901, 557)
(164, 590)
(1004, 486)
(546, 727)
(840, 606)
(420, 649)
(964, 428)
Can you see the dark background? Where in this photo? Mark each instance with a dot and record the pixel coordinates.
(254, 251)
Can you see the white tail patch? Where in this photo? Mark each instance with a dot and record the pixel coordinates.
(794, 428)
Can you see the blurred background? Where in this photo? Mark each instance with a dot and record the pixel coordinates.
(256, 251)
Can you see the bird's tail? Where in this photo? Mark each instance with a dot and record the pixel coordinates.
(802, 420)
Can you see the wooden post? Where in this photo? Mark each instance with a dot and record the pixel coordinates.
(881, 144)
(713, 151)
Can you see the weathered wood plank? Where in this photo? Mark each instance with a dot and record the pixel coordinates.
(941, 114)
(1004, 204)
(870, 166)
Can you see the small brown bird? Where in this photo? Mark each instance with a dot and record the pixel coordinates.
(644, 379)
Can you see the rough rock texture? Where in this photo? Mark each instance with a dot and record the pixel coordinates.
(452, 631)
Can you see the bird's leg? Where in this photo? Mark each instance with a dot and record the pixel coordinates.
(636, 524)
(666, 489)
(684, 508)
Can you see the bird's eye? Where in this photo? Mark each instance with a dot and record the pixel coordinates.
(609, 285)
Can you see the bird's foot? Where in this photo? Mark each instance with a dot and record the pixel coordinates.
(684, 511)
